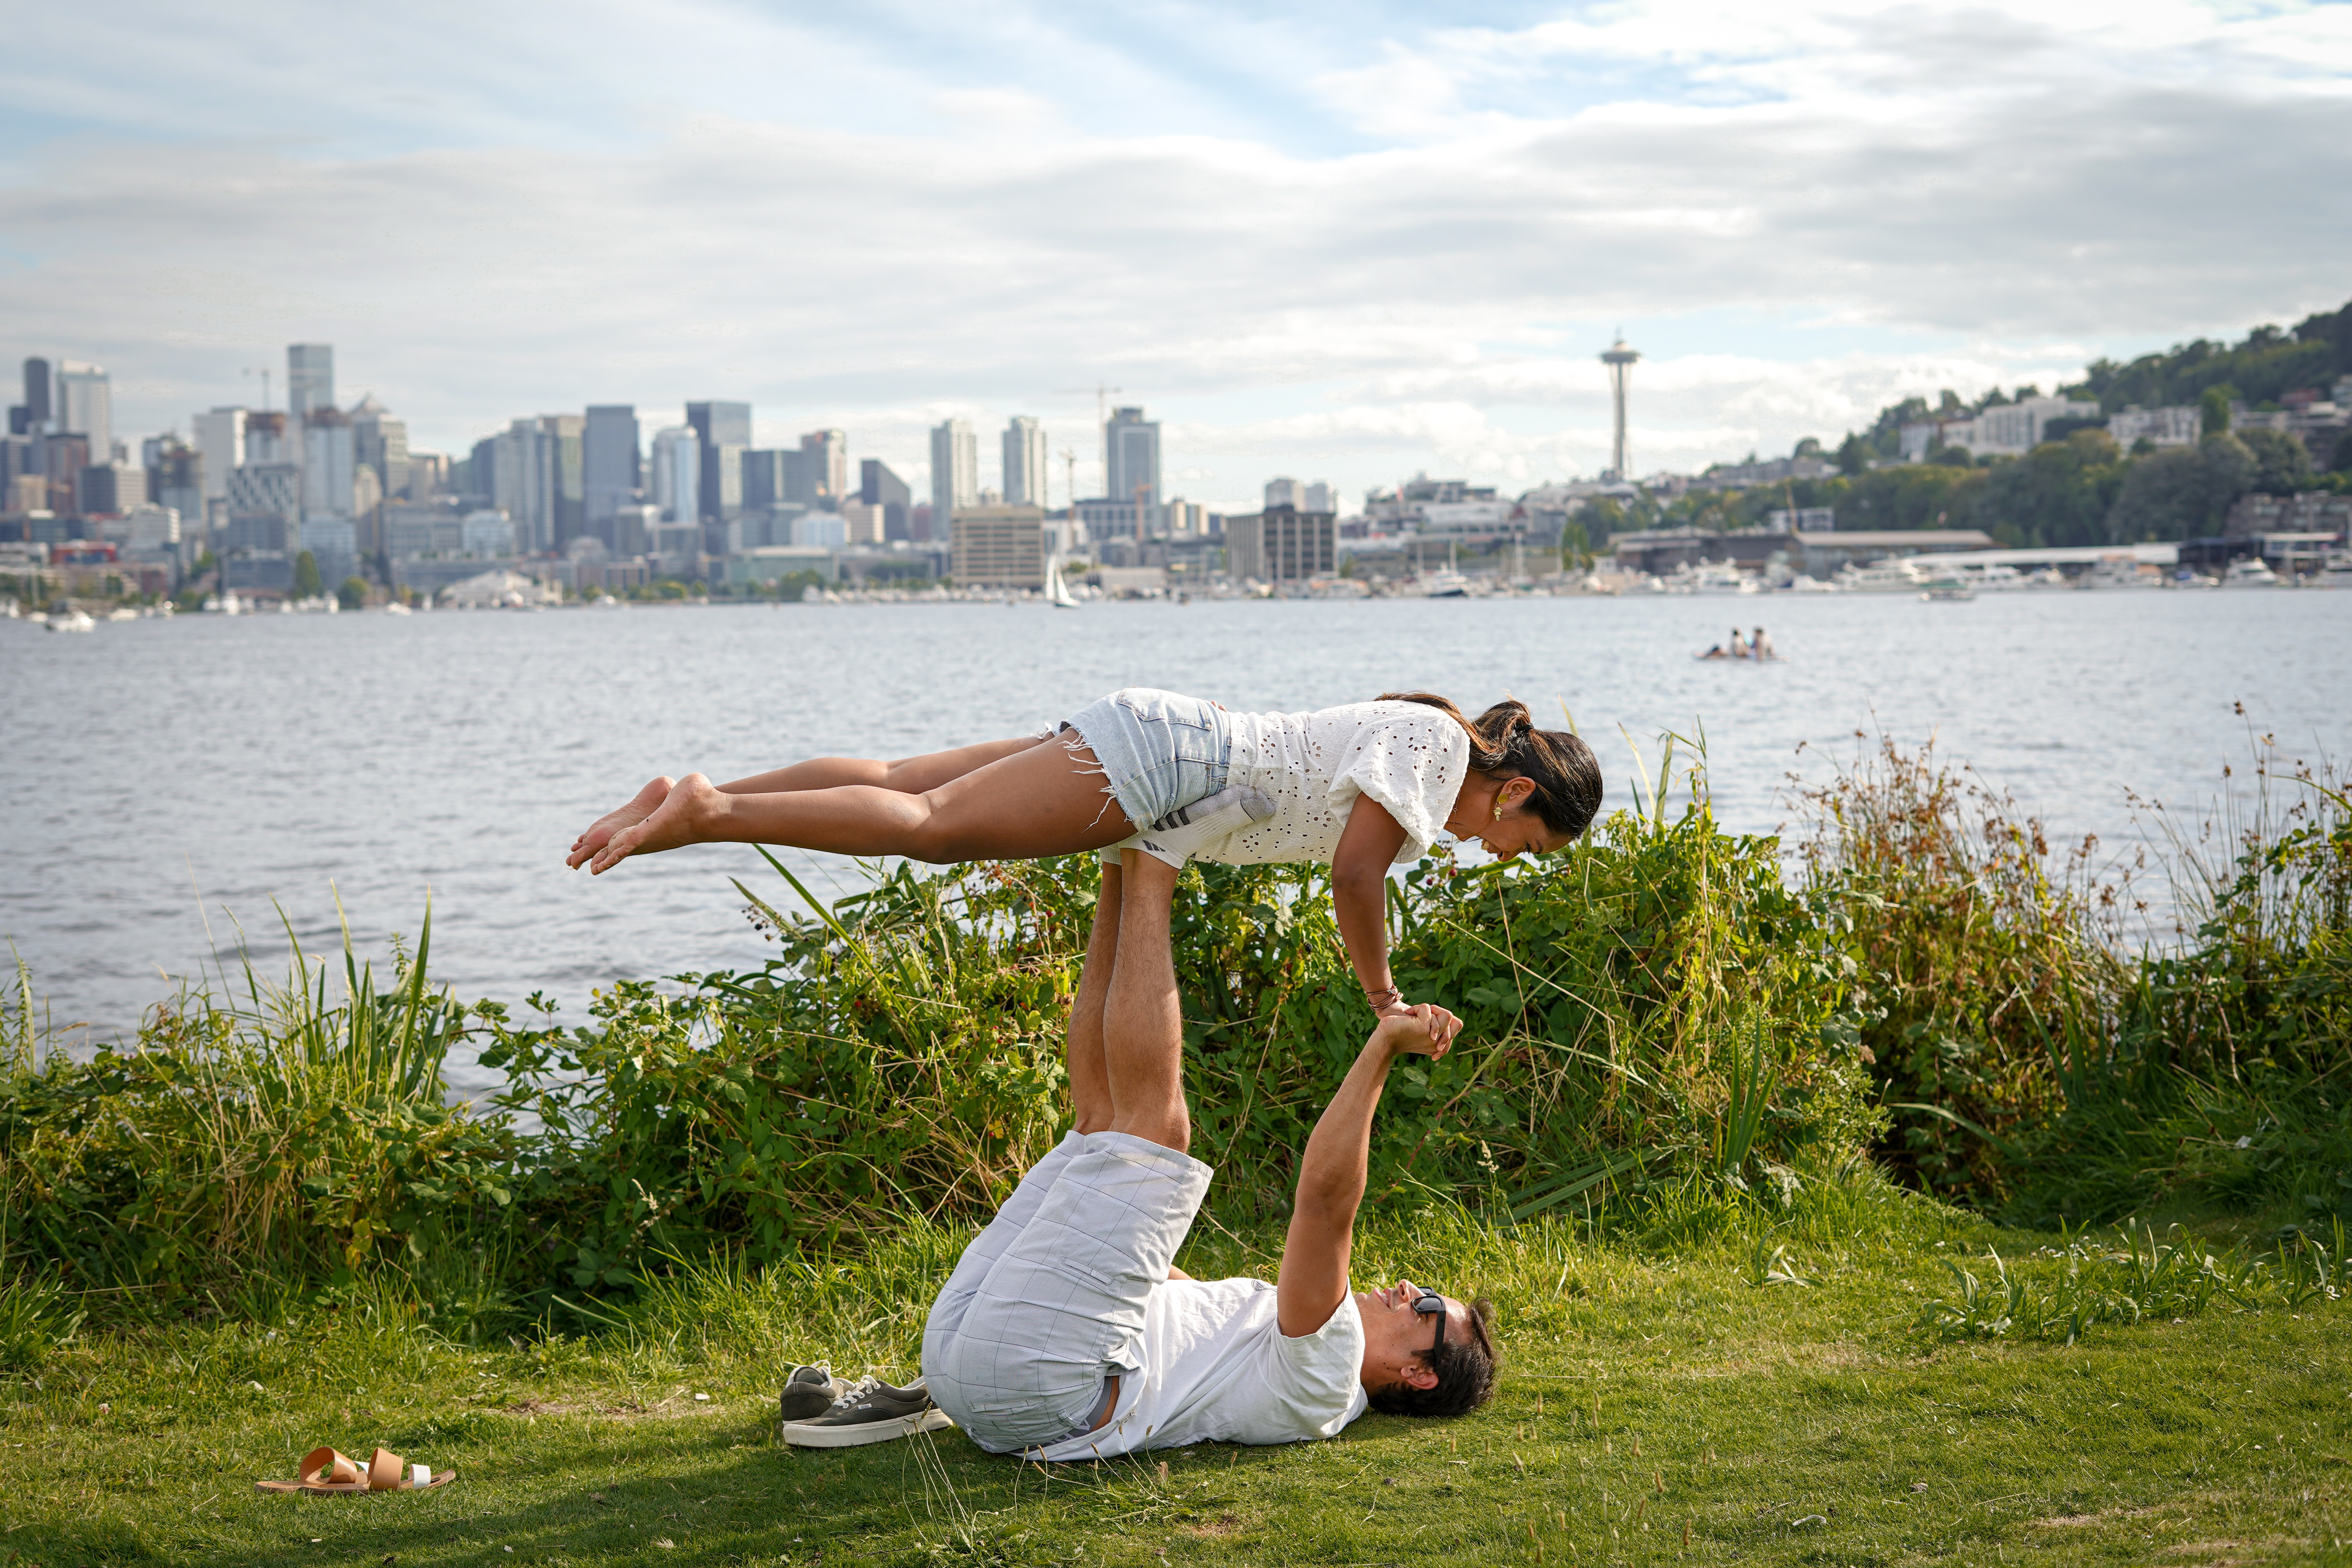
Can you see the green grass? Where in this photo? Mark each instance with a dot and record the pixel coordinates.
(1652, 1389)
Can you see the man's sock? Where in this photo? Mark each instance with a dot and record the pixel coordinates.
(1188, 829)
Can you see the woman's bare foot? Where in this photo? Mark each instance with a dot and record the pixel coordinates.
(600, 832)
(677, 821)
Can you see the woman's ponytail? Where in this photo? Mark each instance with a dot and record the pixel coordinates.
(1503, 741)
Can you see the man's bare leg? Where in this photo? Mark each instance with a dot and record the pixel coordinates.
(908, 775)
(1090, 1098)
(1143, 1029)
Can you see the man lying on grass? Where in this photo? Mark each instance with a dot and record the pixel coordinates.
(1065, 1333)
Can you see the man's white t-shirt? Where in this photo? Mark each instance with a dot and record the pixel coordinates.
(1408, 756)
(1217, 1369)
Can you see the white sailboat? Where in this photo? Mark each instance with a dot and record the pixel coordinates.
(1057, 592)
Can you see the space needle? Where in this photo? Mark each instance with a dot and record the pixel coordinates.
(1620, 361)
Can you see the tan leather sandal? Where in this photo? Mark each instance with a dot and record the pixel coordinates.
(326, 1472)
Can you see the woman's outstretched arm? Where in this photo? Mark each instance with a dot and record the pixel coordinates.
(1359, 877)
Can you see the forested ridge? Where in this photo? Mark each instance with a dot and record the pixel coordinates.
(2084, 488)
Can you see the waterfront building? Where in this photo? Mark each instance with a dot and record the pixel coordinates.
(955, 474)
(486, 531)
(1025, 461)
(612, 472)
(865, 521)
(265, 506)
(999, 547)
(724, 430)
(825, 530)
(2013, 429)
(676, 485)
(85, 406)
(333, 544)
(1282, 544)
(1131, 463)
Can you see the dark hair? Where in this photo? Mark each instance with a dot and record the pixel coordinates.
(1504, 740)
(1464, 1369)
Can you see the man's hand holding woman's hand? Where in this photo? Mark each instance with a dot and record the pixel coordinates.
(1427, 1030)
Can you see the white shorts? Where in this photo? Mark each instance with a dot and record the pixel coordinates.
(1047, 1302)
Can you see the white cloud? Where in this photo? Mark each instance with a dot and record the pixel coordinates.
(1411, 270)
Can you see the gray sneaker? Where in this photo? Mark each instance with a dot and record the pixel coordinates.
(809, 1392)
(871, 1412)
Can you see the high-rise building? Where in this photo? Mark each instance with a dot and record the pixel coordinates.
(266, 440)
(265, 507)
(724, 430)
(1025, 459)
(1319, 496)
(1283, 492)
(329, 459)
(1131, 463)
(220, 436)
(85, 406)
(612, 466)
(309, 379)
(1281, 544)
(562, 452)
(176, 480)
(380, 441)
(828, 452)
(768, 473)
(999, 547)
(39, 391)
(879, 487)
(955, 474)
(109, 490)
(677, 481)
(62, 458)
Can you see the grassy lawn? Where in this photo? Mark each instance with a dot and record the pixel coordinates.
(1659, 1403)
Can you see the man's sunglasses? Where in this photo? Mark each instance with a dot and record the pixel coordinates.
(1429, 1302)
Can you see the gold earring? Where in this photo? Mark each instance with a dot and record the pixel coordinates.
(1499, 811)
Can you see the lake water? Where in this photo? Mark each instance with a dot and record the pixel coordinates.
(170, 784)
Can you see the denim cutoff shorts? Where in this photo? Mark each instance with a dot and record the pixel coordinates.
(1158, 751)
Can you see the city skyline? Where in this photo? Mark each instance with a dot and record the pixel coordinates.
(1407, 257)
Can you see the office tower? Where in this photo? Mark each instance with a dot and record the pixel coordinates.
(220, 436)
(955, 474)
(85, 406)
(266, 440)
(1131, 464)
(561, 451)
(828, 452)
(15, 463)
(329, 457)
(677, 487)
(1282, 492)
(176, 480)
(1000, 546)
(62, 457)
(379, 442)
(879, 487)
(1025, 459)
(724, 431)
(309, 379)
(1318, 497)
(612, 468)
(767, 477)
(109, 490)
(265, 507)
(39, 386)
(482, 471)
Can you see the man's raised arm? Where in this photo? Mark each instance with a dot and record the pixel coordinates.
(1314, 1280)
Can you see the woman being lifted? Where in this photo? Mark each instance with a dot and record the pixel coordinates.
(1360, 788)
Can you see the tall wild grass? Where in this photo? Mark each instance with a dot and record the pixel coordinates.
(1659, 1022)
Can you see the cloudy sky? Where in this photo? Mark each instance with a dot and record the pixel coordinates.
(1333, 241)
